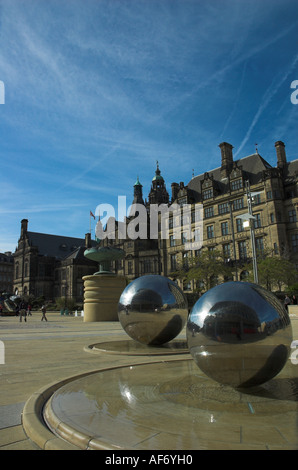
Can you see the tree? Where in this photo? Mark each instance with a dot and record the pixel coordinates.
(205, 268)
(65, 303)
(275, 272)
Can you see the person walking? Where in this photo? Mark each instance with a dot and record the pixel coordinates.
(287, 302)
(44, 311)
(23, 311)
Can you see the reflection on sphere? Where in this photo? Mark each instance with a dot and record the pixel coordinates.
(152, 310)
(239, 334)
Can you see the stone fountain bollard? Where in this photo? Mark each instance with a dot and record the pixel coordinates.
(102, 289)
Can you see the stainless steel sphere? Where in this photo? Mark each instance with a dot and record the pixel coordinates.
(152, 310)
(239, 334)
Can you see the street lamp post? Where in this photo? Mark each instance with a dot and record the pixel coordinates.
(248, 221)
(252, 233)
(234, 243)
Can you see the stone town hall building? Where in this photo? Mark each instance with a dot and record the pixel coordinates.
(223, 194)
(53, 266)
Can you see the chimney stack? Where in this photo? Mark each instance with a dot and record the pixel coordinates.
(175, 190)
(88, 240)
(24, 227)
(281, 154)
(226, 158)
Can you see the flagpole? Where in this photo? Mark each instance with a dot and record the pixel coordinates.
(91, 215)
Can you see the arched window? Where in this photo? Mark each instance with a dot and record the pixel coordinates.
(243, 275)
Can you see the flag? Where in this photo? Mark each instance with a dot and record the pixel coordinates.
(92, 215)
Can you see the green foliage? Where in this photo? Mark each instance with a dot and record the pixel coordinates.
(68, 302)
(293, 289)
(206, 269)
(209, 269)
(275, 273)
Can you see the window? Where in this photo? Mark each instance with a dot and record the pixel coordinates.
(223, 208)
(129, 267)
(238, 204)
(257, 221)
(197, 235)
(244, 275)
(173, 262)
(172, 240)
(295, 242)
(184, 219)
(260, 245)
(224, 228)
(292, 216)
(147, 266)
(184, 238)
(242, 250)
(269, 194)
(226, 250)
(239, 225)
(208, 194)
(290, 193)
(185, 260)
(272, 218)
(256, 199)
(208, 212)
(210, 231)
(236, 184)
(182, 201)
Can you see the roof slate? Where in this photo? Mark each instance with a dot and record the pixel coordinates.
(56, 246)
(252, 166)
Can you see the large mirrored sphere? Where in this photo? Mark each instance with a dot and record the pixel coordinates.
(152, 310)
(239, 334)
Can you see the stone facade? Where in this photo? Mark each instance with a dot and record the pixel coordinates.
(53, 266)
(223, 194)
(50, 265)
(6, 272)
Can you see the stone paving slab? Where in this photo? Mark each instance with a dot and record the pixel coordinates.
(39, 353)
(10, 415)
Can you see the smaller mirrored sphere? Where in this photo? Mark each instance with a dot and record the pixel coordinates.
(239, 334)
(152, 310)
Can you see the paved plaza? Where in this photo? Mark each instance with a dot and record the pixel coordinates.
(39, 355)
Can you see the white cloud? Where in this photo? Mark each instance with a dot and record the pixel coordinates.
(97, 91)
(271, 91)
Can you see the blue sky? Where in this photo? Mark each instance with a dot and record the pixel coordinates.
(97, 90)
